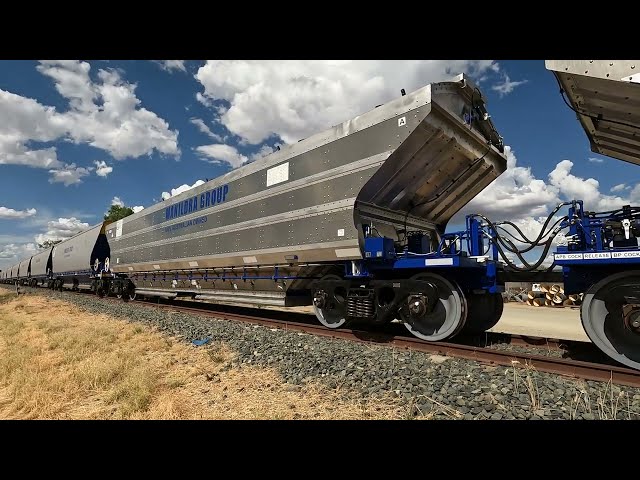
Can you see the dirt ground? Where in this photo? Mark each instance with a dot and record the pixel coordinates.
(57, 362)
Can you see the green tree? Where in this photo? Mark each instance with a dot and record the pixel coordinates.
(116, 212)
(48, 244)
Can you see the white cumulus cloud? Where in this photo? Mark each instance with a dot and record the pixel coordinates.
(294, 99)
(12, 253)
(61, 229)
(117, 201)
(69, 174)
(507, 86)
(102, 169)
(223, 154)
(171, 65)
(23, 119)
(105, 114)
(620, 187)
(10, 213)
(206, 101)
(596, 160)
(204, 128)
(517, 195)
(588, 189)
(180, 189)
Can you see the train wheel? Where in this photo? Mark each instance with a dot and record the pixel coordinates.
(330, 307)
(435, 319)
(484, 311)
(610, 316)
(100, 290)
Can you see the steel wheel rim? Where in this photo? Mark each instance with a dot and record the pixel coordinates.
(448, 316)
(601, 315)
(330, 318)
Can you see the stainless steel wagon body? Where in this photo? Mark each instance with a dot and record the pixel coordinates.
(304, 207)
(606, 98)
(74, 260)
(41, 264)
(24, 269)
(13, 275)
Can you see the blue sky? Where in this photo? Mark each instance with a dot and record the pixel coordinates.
(77, 136)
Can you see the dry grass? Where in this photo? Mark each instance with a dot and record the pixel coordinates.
(57, 362)
(522, 377)
(6, 294)
(435, 408)
(612, 403)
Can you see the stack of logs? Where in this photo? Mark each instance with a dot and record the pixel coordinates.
(553, 296)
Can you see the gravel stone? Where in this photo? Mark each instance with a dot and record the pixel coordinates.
(465, 389)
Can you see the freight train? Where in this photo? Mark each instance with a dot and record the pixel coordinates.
(353, 221)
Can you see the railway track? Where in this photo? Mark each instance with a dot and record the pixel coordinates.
(464, 347)
(561, 366)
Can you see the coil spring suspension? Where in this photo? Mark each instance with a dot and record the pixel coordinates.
(360, 303)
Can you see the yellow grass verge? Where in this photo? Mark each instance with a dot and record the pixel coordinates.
(6, 292)
(57, 362)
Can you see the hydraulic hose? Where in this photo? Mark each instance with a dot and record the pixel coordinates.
(526, 240)
(509, 245)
